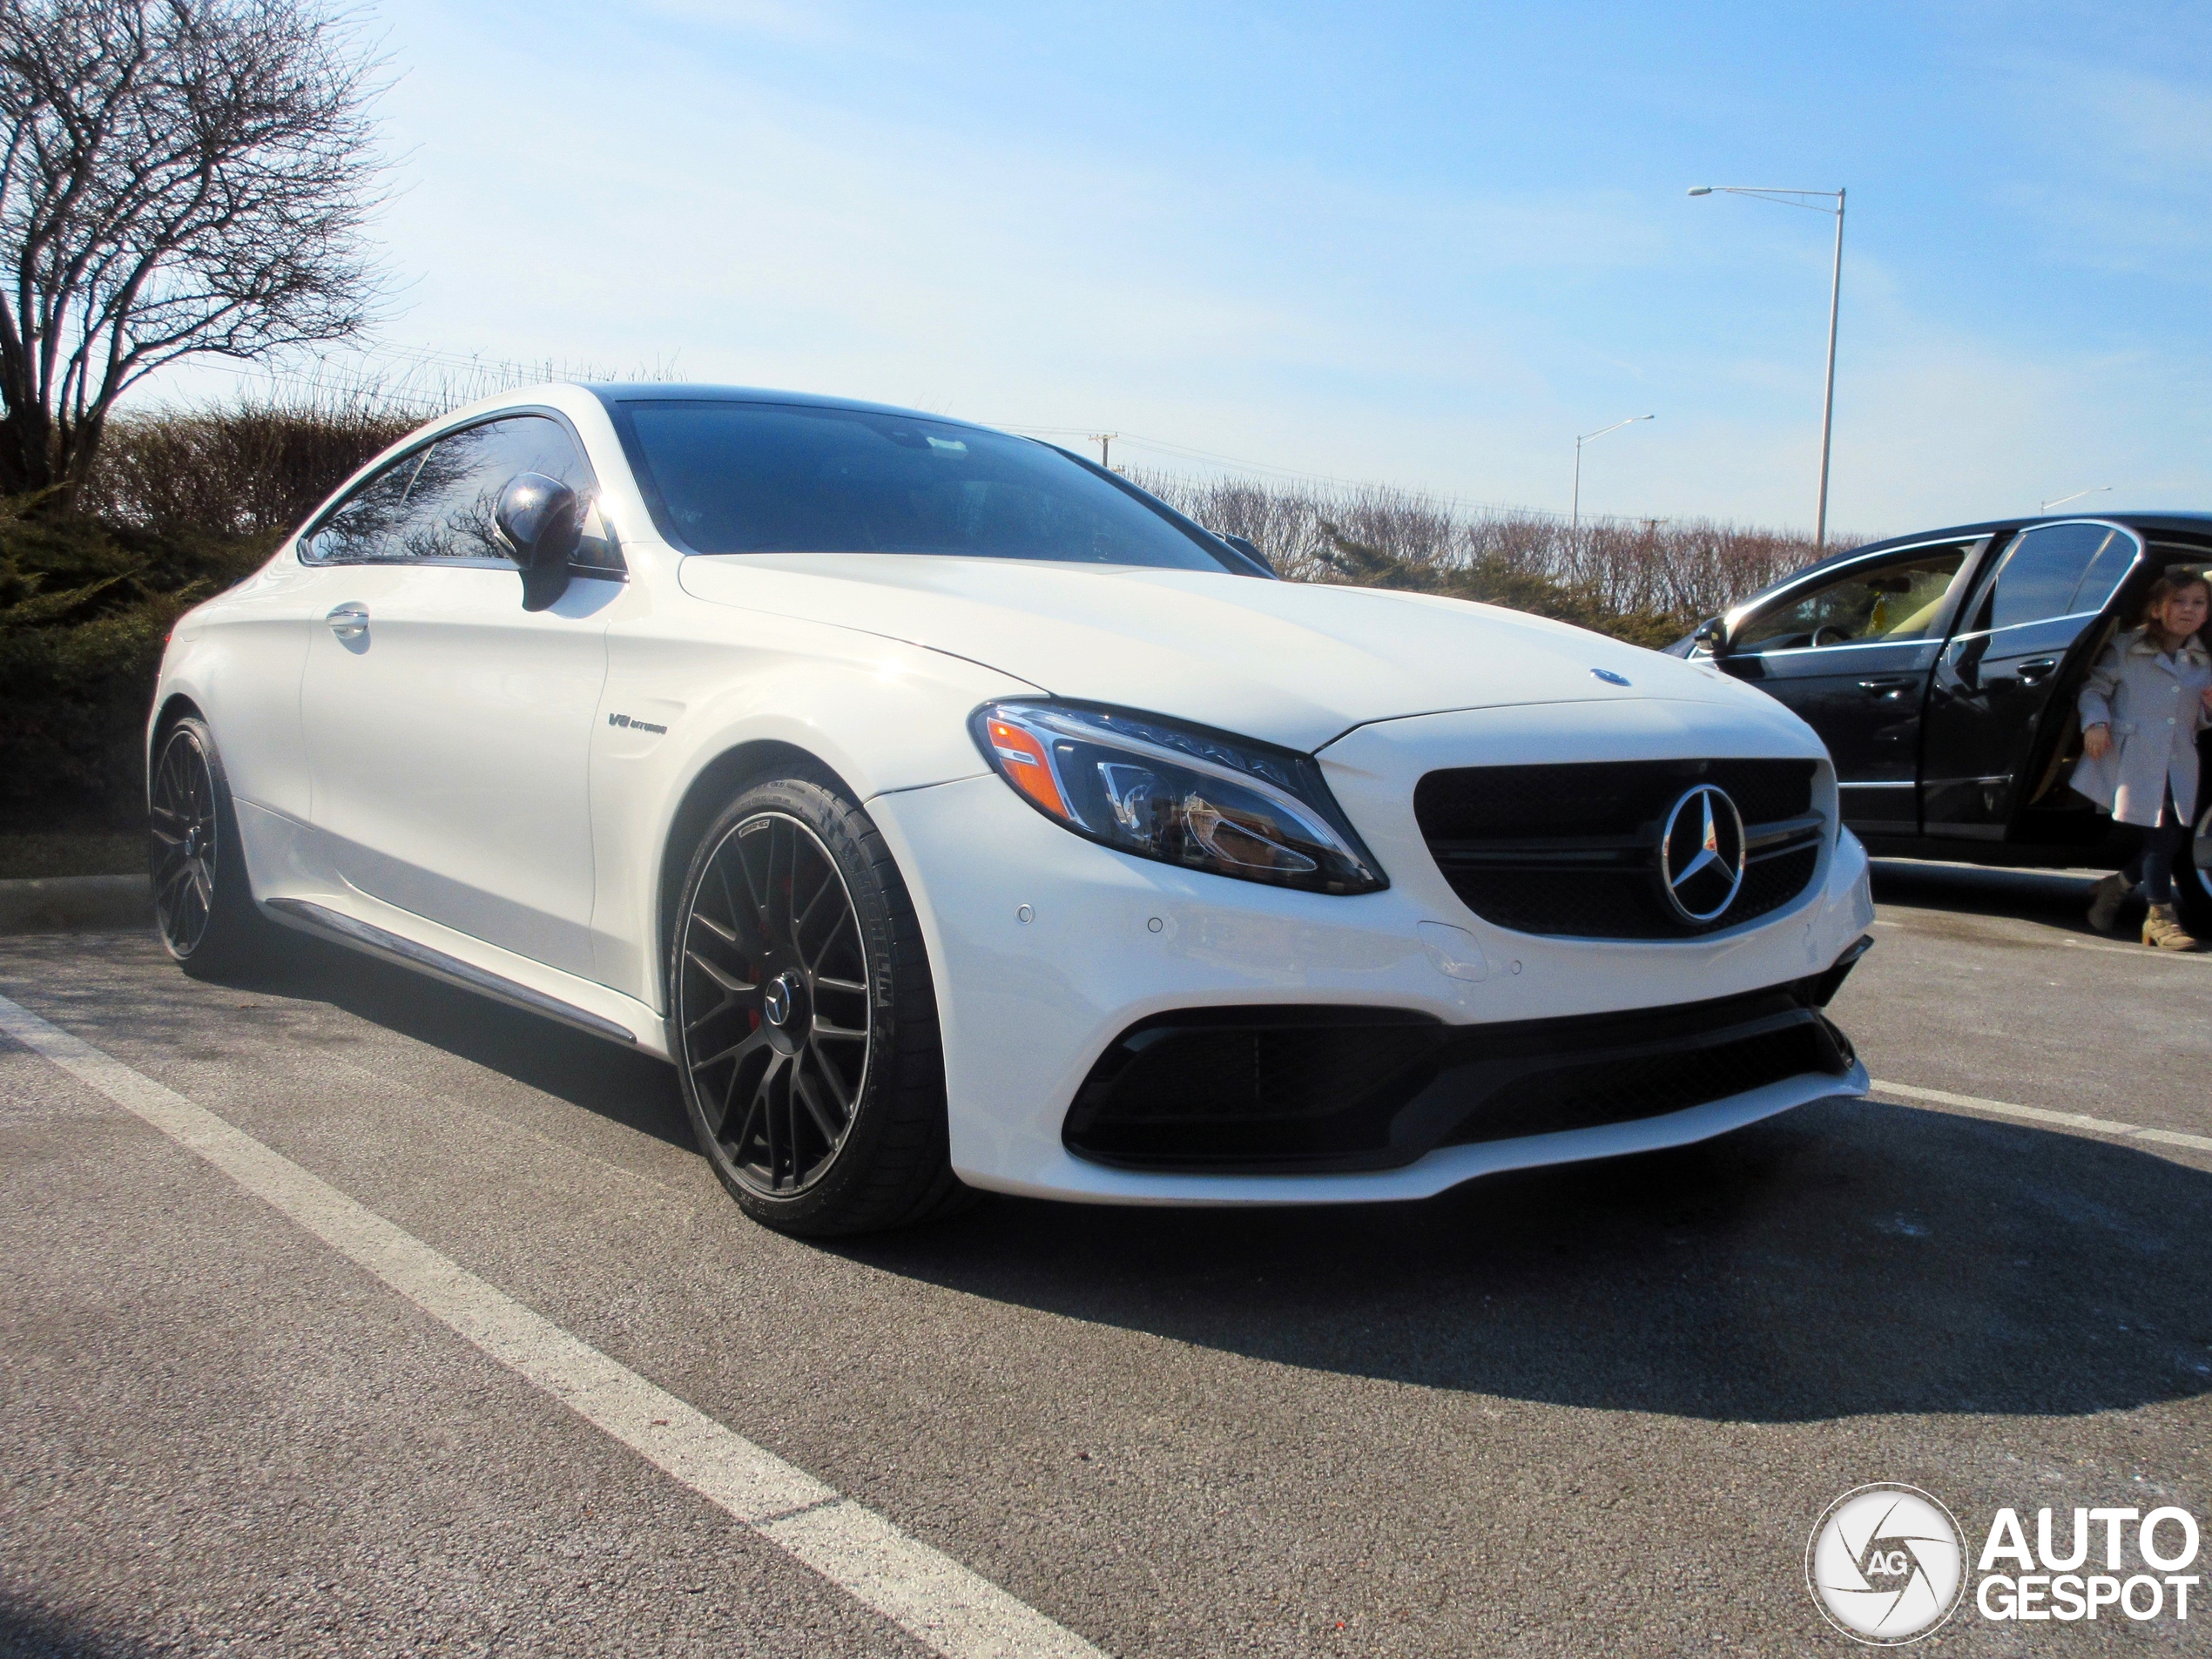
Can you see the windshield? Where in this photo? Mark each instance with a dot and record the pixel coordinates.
(786, 478)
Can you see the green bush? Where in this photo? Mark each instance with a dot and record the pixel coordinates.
(180, 505)
(85, 609)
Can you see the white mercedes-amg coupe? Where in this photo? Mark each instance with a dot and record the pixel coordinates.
(953, 815)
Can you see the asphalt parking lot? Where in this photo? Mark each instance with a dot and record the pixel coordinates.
(1592, 1410)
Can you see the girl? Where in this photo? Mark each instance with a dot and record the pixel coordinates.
(2141, 708)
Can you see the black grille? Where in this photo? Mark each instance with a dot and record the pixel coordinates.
(1573, 849)
(1329, 1088)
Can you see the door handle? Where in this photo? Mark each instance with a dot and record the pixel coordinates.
(2037, 669)
(1884, 688)
(348, 621)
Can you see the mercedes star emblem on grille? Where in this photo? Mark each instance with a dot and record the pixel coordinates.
(1701, 854)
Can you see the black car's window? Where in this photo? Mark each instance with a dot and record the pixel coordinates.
(1884, 600)
(2057, 570)
(362, 525)
(448, 493)
(781, 478)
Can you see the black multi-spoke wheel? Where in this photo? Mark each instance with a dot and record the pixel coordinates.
(183, 849)
(202, 906)
(775, 1003)
(803, 1017)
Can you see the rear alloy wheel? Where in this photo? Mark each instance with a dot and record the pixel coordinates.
(805, 1020)
(203, 905)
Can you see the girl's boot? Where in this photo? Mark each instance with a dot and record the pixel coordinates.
(2163, 927)
(2105, 900)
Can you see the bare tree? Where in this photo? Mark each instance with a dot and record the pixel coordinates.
(181, 178)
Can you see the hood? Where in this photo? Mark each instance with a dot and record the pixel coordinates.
(1290, 663)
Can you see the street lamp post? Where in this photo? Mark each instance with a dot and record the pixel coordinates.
(2061, 501)
(1575, 529)
(1797, 198)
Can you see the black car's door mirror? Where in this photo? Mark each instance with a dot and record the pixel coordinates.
(1712, 634)
(542, 521)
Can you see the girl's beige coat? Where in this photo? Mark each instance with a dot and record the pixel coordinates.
(2154, 704)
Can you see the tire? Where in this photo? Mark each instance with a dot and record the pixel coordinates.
(803, 1020)
(204, 906)
(2193, 878)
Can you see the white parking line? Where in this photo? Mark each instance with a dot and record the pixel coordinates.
(924, 1592)
(2077, 1121)
(2143, 953)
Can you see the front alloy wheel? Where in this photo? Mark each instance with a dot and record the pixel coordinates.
(803, 1020)
(775, 1004)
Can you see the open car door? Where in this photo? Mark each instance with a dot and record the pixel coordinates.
(1995, 705)
(1850, 649)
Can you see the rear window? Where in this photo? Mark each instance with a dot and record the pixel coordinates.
(784, 478)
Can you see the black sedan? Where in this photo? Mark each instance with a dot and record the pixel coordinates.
(1942, 669)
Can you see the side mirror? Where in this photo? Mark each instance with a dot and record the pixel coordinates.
(1712, 634)
(542, 521)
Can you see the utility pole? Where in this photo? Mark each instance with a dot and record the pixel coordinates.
(1798, 198)
(1105, 443)
(1828, 402)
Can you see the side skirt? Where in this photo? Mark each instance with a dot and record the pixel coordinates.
(388, 947)
(2106, 855)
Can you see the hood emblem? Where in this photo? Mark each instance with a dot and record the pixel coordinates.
(1701, 855)
(1609, 677)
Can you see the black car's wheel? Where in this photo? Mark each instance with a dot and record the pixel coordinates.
(2193, 880)
(203, 905)
(803, 1019)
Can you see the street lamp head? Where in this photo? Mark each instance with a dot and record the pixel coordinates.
(1701, 190)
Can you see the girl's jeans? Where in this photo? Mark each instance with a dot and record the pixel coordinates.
(2163, 847)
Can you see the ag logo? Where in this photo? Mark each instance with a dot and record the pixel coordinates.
(1886, 1564)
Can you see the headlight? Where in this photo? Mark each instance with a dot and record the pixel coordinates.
(1178, 794)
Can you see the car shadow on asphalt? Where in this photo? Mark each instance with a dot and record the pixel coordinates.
(1847, 1258)
(31, 1627)
(2056, 897)
(635, 1090)
(622, 1085)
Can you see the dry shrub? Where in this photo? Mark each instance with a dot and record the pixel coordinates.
(1668, 572)
(243, 468)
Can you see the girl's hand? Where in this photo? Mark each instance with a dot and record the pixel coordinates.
(2096, 742)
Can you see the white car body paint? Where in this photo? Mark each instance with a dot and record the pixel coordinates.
(511, 810)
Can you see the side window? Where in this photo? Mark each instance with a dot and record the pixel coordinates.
(2056, 571)
(1888, 600)
(454, 497)
(366, 524)
(439, 503)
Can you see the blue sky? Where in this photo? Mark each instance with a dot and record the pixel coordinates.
(1418, 244)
